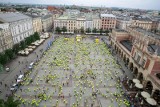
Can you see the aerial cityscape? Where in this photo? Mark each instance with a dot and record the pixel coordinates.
(75, 53)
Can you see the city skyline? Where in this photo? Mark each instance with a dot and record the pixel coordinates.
(137, 4)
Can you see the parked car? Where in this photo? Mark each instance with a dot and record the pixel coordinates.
(14, 87)
(31, 65)
(20, 78)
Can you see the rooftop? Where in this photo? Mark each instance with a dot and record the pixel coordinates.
(154, 48)
(107, 15)
(46, 16)
(127, 44)
(120, 30)
(147, 33)
(142, 18)
(12, 17)
(63, 17)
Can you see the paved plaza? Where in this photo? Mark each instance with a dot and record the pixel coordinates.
(74, 74)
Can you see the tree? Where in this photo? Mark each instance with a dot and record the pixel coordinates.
(22, 45)
(9, 53)
(82, 30)
(32, 38)
(88, 30)
(16, 48)
(28, 41)
(3, 58)
(10, 102)
(75, 30)
(36, 36)
(58, 30)
(64, 29)
(94, 30)
(101, 31)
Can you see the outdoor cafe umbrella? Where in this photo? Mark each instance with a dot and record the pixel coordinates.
(151, 101)
(140, 86)
(145, 94)
(136, 81)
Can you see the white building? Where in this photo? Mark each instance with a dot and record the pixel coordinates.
(96, 22)
(6, 41)
(20, 25)
(88, 22)
(80, 24)
(60, 22)
(123, 23)
(47, 23)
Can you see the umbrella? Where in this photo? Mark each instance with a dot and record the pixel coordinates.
(145, 94)
(140, 86)
(151, 101)
(136, 81)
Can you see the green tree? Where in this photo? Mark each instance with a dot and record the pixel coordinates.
(58, 30)
(3, 58)
(82, 30)
(64, 29)
(75, 30)
(10, 102)
(9, 53)
(94, 30)
(101, 31)
(28, 40)
(36, 36)
(16, 48)
(1, 69)
(88, 30)
(32, 38)
(22, 45)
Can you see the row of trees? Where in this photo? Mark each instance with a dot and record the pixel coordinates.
(59, 30)
(88, 30)
(10, 54)
(10, 102)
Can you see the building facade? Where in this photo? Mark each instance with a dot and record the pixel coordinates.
(140, 51)
(80, 24)
(6, 41)
(47, 23)
(122, 23)
(144, 23)
(20, 25)
(108, 21)
(37, 24)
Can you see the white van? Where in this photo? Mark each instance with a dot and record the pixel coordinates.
(20, 78)
(31, 65)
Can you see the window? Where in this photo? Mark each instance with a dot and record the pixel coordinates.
(143, 62)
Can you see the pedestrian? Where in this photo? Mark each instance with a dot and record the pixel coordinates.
(19, 62)
(5, 85)
(21, 89)
(1, 82)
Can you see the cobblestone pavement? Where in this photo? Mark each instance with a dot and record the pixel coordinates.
(74, 74)
(16, 69)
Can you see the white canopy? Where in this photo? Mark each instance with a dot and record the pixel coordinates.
(136, 81)
(140, 86)
(151, 101)
(145, 94)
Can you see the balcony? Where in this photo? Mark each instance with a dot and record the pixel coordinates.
(154, 79)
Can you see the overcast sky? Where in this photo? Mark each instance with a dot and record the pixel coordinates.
(141, 4)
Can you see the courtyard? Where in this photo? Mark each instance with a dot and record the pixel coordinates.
(74, 74)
